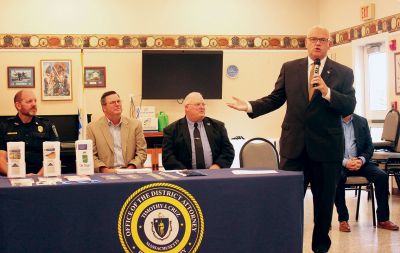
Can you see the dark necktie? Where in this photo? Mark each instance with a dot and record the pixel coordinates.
(310, 86)
(198, 146)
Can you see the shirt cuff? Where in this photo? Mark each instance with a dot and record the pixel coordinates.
(249, 107)
(362, 159)
(344, 162)
(328, 95)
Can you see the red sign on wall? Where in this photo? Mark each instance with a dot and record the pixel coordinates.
(367, 12)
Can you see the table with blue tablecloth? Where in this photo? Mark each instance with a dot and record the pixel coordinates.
(157, 212)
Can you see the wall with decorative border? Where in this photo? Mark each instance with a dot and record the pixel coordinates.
(97, 41)
(58, 41)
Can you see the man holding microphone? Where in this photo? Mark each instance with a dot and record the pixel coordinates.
(312, 136)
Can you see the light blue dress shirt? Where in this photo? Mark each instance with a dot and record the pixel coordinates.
(204, 140)
(350, 147)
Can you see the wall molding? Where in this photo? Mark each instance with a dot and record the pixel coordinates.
(113, 41)
(103, 41)
(387, 24)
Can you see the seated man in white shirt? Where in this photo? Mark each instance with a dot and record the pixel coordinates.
(117, 140)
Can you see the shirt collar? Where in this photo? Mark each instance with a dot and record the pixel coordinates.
(191, 123)
(350, 121)
(323, 60)
(112, 124)
(19, 121)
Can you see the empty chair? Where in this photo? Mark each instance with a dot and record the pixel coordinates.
(259, 153)
(389, 156)
(390, 131)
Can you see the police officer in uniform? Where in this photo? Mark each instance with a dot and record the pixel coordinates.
(29, 128)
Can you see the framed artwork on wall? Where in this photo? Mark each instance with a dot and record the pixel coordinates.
(397, 72)
(56, 79)
(21, 77)
(95, 77)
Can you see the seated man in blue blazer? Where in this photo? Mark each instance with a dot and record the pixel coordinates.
(356, 162)
(196, 141)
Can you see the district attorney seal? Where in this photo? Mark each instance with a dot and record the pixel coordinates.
(160, 217)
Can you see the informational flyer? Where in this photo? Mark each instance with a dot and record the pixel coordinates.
(16, 159)
(51, 159)
(84, 157)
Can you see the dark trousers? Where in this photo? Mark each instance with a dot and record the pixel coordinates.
(374, 175)
(322, 177)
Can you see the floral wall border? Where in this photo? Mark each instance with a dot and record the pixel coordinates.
(96, 41)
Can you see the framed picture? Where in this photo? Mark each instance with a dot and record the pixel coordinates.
(21, 77)
(56, 79)
(397, 72)
(95, 77)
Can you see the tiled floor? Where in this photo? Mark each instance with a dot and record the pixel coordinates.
(363, 237)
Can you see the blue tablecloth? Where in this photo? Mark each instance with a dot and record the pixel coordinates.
(242, 213)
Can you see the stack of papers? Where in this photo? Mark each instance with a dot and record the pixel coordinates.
(78, 178)
(21, 182)
(190, 173)
(253, 172)
(131, 171)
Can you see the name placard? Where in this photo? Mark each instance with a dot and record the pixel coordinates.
(16, 159)
(51, 159)
(84, 157)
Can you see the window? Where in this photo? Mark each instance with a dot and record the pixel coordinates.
(376, 80)
(371, 66)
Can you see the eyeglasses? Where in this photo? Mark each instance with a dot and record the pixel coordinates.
(315, 40)
(114, 102)
(198, 104)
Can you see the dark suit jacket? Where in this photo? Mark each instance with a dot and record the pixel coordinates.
(362, 134)
(314, 126)
(177, 150)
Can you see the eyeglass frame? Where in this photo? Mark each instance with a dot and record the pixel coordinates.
(119, 101)
(198, 104)
(314, 40)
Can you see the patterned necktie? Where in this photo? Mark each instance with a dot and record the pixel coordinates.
(310, 86)
(198, 146)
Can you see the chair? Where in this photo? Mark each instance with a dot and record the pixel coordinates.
(388, 155)
(390, 133)
(259, 153)
(355, 183)
(390, 162)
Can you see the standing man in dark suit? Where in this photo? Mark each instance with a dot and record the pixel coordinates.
(357, 154)
(312, 136)
(196, 141)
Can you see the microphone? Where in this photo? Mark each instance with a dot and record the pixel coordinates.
(317, 64)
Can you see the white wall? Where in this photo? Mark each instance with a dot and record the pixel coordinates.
(157, 16)
(340, 14)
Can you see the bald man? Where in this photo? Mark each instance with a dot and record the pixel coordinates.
(317, 91)
(29, 128)
(196, 141)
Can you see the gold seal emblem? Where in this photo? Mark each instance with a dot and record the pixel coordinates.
(40, 129)
(160, 218)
